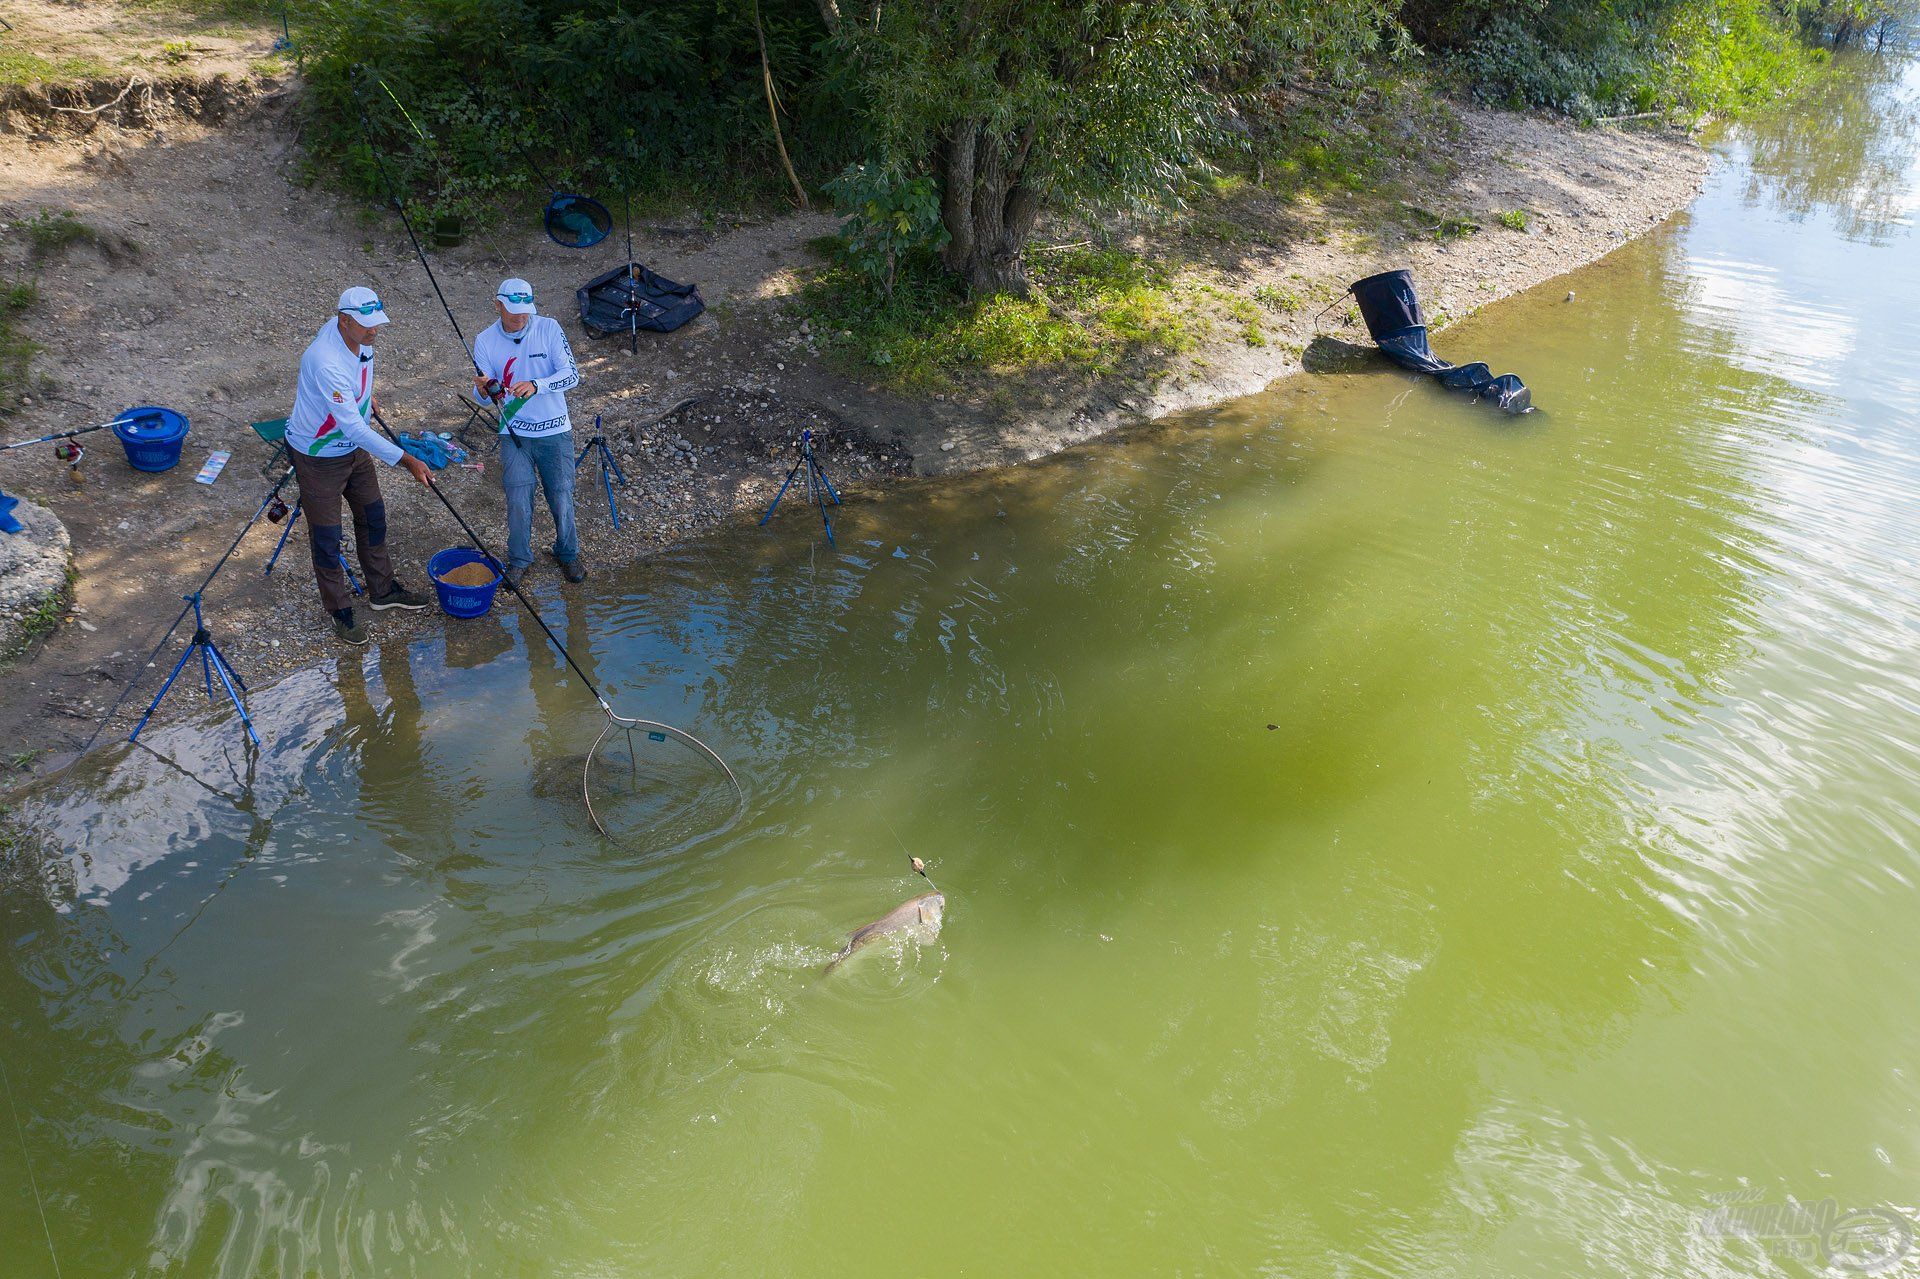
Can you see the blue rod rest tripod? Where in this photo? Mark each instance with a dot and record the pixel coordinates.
(281, 545)
(609, 469)
(818, 488)
(212, 662)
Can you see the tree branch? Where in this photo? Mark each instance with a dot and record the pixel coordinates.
(773, 109)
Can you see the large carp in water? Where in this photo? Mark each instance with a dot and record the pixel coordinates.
(918, 919)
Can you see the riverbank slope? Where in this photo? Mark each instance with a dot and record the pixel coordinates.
(206, 260)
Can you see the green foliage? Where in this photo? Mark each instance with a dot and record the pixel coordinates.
(1095, 305)
(1105, 106)
(1590, 59)
(889, 216)
(1513, 219)
(663, 99)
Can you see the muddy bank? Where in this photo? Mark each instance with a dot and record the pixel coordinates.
(214, 264)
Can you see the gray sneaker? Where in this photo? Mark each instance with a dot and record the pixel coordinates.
(349, 629)
(573, 570)
(398, 596)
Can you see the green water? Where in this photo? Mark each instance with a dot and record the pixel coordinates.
(1379, 838)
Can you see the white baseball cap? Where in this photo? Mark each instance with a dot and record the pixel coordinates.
(516, 295)
(364, 305)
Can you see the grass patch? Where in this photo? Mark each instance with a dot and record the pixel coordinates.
(1285, 301)
(49, 233)
(212, 10)
(44, 619)
(16, 349)
(18, 66)
(1513, 219)
(1363, 139)
(1105, 303)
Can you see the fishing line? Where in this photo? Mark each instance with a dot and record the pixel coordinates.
(920, 867)
(400, 206)
(27, 1156)
(614, 719)
(393, 193)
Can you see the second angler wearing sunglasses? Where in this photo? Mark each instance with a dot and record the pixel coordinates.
(332, 441)
(529, 370)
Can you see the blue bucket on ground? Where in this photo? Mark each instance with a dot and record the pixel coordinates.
(462, 601)
(152, 437)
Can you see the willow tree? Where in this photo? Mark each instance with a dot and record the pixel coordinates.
(1018, 106)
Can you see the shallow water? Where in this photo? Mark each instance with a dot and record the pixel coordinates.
(1378, 837)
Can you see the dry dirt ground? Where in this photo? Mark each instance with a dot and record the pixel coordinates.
(213, 265)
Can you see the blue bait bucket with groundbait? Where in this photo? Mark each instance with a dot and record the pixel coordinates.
(457, 600)
(152, 437)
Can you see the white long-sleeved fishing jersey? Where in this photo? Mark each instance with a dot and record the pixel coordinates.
(539, 353)
(333, 401)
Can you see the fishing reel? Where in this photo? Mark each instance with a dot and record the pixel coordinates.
(277, 510)
(495, 391)
(71, 452)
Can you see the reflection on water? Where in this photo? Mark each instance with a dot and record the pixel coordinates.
(1377, 838)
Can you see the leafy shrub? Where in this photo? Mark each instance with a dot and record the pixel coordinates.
(889, 216)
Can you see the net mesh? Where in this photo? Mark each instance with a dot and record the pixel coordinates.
(577, 221)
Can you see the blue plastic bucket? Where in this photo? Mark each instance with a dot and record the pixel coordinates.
(152, 437)
(462, 601)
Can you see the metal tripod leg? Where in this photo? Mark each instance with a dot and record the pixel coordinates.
(609, 468)
(212, 662)
(784, 484)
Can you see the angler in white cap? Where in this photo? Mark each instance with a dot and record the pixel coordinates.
(332, 441)
(526, 369)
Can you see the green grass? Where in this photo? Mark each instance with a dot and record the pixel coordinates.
(44, 619)
(1513, 219)
(1285, 301)
(1106, 303)
(18, 66)
(49, 233)
(16, 349)
(213, 10)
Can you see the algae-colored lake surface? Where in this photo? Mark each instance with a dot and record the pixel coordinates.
(1379, 837)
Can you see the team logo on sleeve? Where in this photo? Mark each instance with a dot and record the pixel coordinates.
(339, 398)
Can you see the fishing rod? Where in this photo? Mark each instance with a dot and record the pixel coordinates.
(495, 393)
(192, 600)
(613, 717)
(67, 435)
(393, 193)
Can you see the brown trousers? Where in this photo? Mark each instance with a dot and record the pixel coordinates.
(323, 482)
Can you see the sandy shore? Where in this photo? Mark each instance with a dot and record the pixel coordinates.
(215, 264)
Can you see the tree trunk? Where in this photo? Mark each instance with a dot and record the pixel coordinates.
(988, 208)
